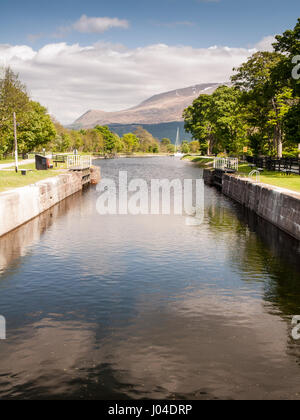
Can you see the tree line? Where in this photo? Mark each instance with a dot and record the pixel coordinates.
(259, 111)
(36, 129)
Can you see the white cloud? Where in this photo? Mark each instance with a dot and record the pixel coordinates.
(70, 79)
(98, 24)
(89, 25)
(266, 44)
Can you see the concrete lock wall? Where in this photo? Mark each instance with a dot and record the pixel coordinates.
(95, 175)
(23, 204)
(277, 205)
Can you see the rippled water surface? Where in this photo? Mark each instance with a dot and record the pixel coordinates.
(112, 307)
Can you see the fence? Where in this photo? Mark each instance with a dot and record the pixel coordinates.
(287, 165)
(226, 163)
(76, 162)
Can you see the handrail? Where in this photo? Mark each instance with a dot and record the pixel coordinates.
(226, 163)
(79, 162)
(254, 172)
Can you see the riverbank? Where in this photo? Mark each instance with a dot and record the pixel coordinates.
(200, 160)
(9, 179)
(279, 206)
(277, 179)
(19, 206)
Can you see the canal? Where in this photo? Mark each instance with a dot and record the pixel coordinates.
(118, 307)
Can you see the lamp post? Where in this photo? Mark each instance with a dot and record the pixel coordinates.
(16, 143)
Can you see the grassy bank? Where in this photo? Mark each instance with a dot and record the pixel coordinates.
(278, 179)
(200, 160)
(11, 180)
(5, 161)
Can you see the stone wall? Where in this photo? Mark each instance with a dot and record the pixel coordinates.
(277, 205)
(208, 176)
(95, 175)
(23, 204)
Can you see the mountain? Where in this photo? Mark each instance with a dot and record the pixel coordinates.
(161, 114)
(159, 131)
(163, 108)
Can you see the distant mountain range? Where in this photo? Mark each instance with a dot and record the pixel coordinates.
(160, 115)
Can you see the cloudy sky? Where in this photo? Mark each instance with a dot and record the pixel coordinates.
(95, 54)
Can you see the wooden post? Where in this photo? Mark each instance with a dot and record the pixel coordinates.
(16, 143)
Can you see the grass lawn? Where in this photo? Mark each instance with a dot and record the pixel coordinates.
(10, 179)
(198, 159)
(5, 161)
(278, 179)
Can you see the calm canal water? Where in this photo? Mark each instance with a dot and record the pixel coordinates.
(118, 307)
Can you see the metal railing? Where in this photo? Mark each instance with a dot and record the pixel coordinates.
(257, 175)
(226, 163)
(79, 162)
(287, 165)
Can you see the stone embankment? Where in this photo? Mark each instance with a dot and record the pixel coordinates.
(279, 206)
(21, 205)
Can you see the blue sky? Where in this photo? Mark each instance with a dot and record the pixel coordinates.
(77, 55)
(189, 22)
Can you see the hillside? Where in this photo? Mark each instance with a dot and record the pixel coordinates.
(159, 131)
(163, 108)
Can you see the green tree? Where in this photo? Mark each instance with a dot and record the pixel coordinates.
(260, 94)
(109, 138)
(286, 72)
(194, 146)
(131, 143)
(171, 148)
(198, 122)
(13, 98)
(216, 121)
(146, 141)
(288, 44)
(165, 141)
(228, 119)
(37, 128)
(185, 147)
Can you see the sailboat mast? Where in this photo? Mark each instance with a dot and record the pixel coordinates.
(177, 140)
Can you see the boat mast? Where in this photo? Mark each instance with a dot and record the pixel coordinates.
(177, 140)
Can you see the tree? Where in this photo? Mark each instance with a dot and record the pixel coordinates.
(131, 142)
(171, 148)
(165, 144)
(13, 98)
(216, 121)
(228, 119)
(260, 94)
(198, 122)
(110, 139)
(288, 44)
(37, 128)
(147, 143)
(165, 141)
(185, 147)
(194, 146)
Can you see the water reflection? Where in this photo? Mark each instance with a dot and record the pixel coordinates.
(146, 307)
(17, 243)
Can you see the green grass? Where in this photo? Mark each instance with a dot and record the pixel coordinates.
(10, 179)
(278, 179)
(5, 161)
(32, 166)
(198, 159)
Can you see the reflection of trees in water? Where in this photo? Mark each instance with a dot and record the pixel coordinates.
(263, 253)
(17, 243)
